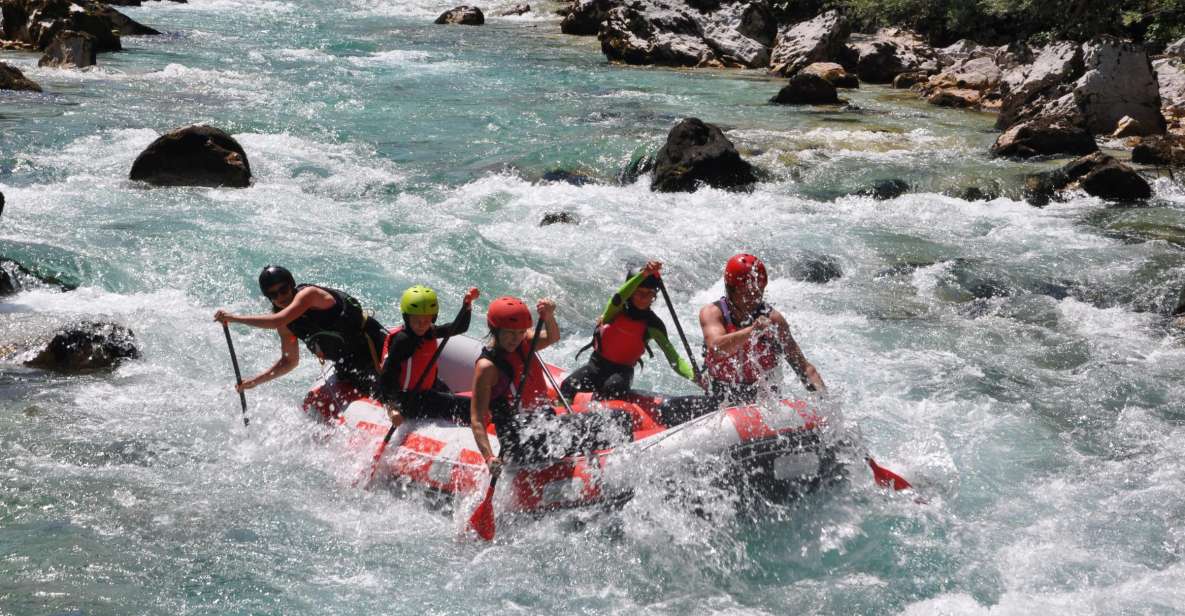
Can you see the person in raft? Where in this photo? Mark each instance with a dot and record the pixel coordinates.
(744, 336)
(330, 323)
(408, 385)
(531, 431)
(622, 336)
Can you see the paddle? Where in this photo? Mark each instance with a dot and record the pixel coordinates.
(374, 467)
(551, 381)
(885, 477)
(234, 361)
(482, 520)
(679, 327)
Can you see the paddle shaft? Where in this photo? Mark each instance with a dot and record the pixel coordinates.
(679, 328)
(234, 361)
(551, 380)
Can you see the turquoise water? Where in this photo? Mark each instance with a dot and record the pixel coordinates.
(1013, 362)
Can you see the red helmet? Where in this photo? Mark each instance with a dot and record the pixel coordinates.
(744, 270)
(509, 313)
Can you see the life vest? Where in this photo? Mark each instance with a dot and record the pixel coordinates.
(335, 333)
(747, 365)
(510, 373)
(622, 340)
(411, 372)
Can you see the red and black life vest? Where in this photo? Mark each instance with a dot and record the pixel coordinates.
(510, 373)
(411, 372)
(335, 333)
(758, 356)
(622, 340)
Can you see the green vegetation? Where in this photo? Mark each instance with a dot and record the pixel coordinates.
(1157, 22)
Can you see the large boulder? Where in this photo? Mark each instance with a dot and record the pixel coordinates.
(879, 57)
(741, 33)
(70, 49)
(193, 156)
(585, 17)
(697, 152)
(86, 346)
(673, 33)
(1161, 150)
(961, 50)
(11, 78)
(1170, 74)
(806, 89)
(833, 74)
(1097, 174)
(1043, 137)
(463, 15)
(1055, 65)
(35, 23)
(818, 40)
(1118, 81)
(974, 73)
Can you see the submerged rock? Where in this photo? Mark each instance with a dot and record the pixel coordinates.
(1097, 174)
(515, 9)
(463, 15)
(568, 177)
(86, 346)
(16, 277)
(883, 190)
(554, 218)
(11, 78)
(819, 269)
(70, 49)
(697, 152)
(806, 89)
(817, 40)
(193, 156)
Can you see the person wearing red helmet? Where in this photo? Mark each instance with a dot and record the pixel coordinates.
(531, 431)
(623, 332)
(744, 337)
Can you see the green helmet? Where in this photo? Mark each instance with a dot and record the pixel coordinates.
(419, 300)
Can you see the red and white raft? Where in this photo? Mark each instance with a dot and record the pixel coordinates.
(778, 451)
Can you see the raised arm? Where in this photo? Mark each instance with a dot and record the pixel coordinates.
(551, 329)
(460, 324)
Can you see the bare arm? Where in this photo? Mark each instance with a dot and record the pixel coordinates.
(485, 375)
(306, 298)
(804, 369)
(289, 359)
(551, 329)
(718, 341)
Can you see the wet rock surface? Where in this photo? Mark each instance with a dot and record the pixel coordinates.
(698, 153)
(193, 156)
(806, 89)
(11, 78)
(462, 16)
(86, 346)
(816, 40)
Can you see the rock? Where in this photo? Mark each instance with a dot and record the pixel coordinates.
(1056, 64)
(955, 97)
(1040, 188)
(655, 32)
(1160, 150)
(16, 277)
(1170, 75)
(1176, 48)
(1128, 127)
(806, 89)
(906, 80)
(963, 49)
(833, 73)
(979, 73)
(35, 23)
(586, 16)
(463, 15)
(878, 58)
(70, 49)
(553, 218)
(883, 190)
(1118, 81)
(819, 269)
(972, 193)
(1043, 138)
(11, 78)
(740, 33)
(515, 9)
(87, 346)
(566, 177)
(817, 40)
(1102, 176)
(193, 156)
(1, 204)
(697, 152)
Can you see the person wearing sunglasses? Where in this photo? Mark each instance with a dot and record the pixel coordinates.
(331, 323)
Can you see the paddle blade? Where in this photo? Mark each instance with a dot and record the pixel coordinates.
(886, 477)
(482, 520)
(378, 455)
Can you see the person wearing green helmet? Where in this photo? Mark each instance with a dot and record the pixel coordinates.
(408, 386)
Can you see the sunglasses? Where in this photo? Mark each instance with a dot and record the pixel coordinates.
(276, 291)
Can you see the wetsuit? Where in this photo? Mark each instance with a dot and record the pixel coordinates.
(410, 384)
(344, 335)
(535, 433)
(618, 345)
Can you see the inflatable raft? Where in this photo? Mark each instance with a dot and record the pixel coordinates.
(777, 451)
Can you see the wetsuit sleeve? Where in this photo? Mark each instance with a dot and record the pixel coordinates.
(459, 325)
(658, 333)
(402, 347)
(617, 302)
